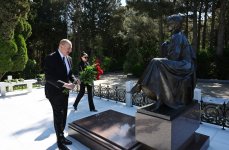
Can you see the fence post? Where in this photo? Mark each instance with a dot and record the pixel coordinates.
(100, 88)
(197, 94)
(224, 115)
(3, 89)
(116, 94)
(108, 93)
(129, 85)
(201, 109)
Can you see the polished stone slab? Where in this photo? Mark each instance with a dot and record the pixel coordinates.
(168, 129)
(107, 130)
(197, 141)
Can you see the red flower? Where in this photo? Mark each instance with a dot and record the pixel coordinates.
(98, 69)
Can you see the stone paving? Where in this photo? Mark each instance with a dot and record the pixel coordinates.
(26, 118)
(26, 121)
(218, 90)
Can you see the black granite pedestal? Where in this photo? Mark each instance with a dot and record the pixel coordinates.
(108, 130)
(169, 129)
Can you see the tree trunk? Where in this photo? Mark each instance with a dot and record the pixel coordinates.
(221, 28)
(212, 35)
(194, 41)
(199, 24)
(186, 18)
(1, 75)
(74, 53)
(205, 25)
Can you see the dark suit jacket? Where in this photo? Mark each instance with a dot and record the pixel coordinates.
(83, 65)
(55, 70)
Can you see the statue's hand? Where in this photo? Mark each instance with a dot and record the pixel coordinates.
(164, 49)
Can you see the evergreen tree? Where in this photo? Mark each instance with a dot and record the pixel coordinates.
(140, 34)
(14, 30)
(49, 24)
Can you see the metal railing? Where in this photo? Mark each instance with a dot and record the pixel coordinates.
(212, 113)
(140, 99)
(217, 114)
(113, 93)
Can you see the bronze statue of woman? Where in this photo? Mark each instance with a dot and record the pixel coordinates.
(171, 80)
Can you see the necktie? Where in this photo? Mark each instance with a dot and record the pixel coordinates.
(64, 62)
(63, 59)
(66, 65)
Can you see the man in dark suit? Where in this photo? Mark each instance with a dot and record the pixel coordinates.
(58, 74)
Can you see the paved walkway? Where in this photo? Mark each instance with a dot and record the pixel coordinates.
(215, 89)
(26, 118)
(26, 122)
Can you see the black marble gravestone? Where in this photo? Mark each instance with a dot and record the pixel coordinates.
(108, 130)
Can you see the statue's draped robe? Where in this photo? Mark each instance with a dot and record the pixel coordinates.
(172, 79)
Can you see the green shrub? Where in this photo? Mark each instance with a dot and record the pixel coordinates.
(116, 65)
(205, 65)
(20, 58)
(137, 70)
(41, 76)
(222, 65)
(106, 63)
(7, 50)
(209, 66)
(31, 70)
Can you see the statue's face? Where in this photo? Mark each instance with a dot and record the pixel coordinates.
(171, 26)
(174, 22)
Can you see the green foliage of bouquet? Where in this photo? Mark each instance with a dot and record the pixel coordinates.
(65, 91)
(88, 75)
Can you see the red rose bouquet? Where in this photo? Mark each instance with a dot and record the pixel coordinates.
(98, 69)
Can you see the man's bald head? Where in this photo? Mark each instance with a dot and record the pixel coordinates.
(65, 41)
(65, 46)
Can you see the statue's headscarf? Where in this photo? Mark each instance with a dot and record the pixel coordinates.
(175, 22)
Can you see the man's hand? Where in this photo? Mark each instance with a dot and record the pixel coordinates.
(69, 86)
(78, 81)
